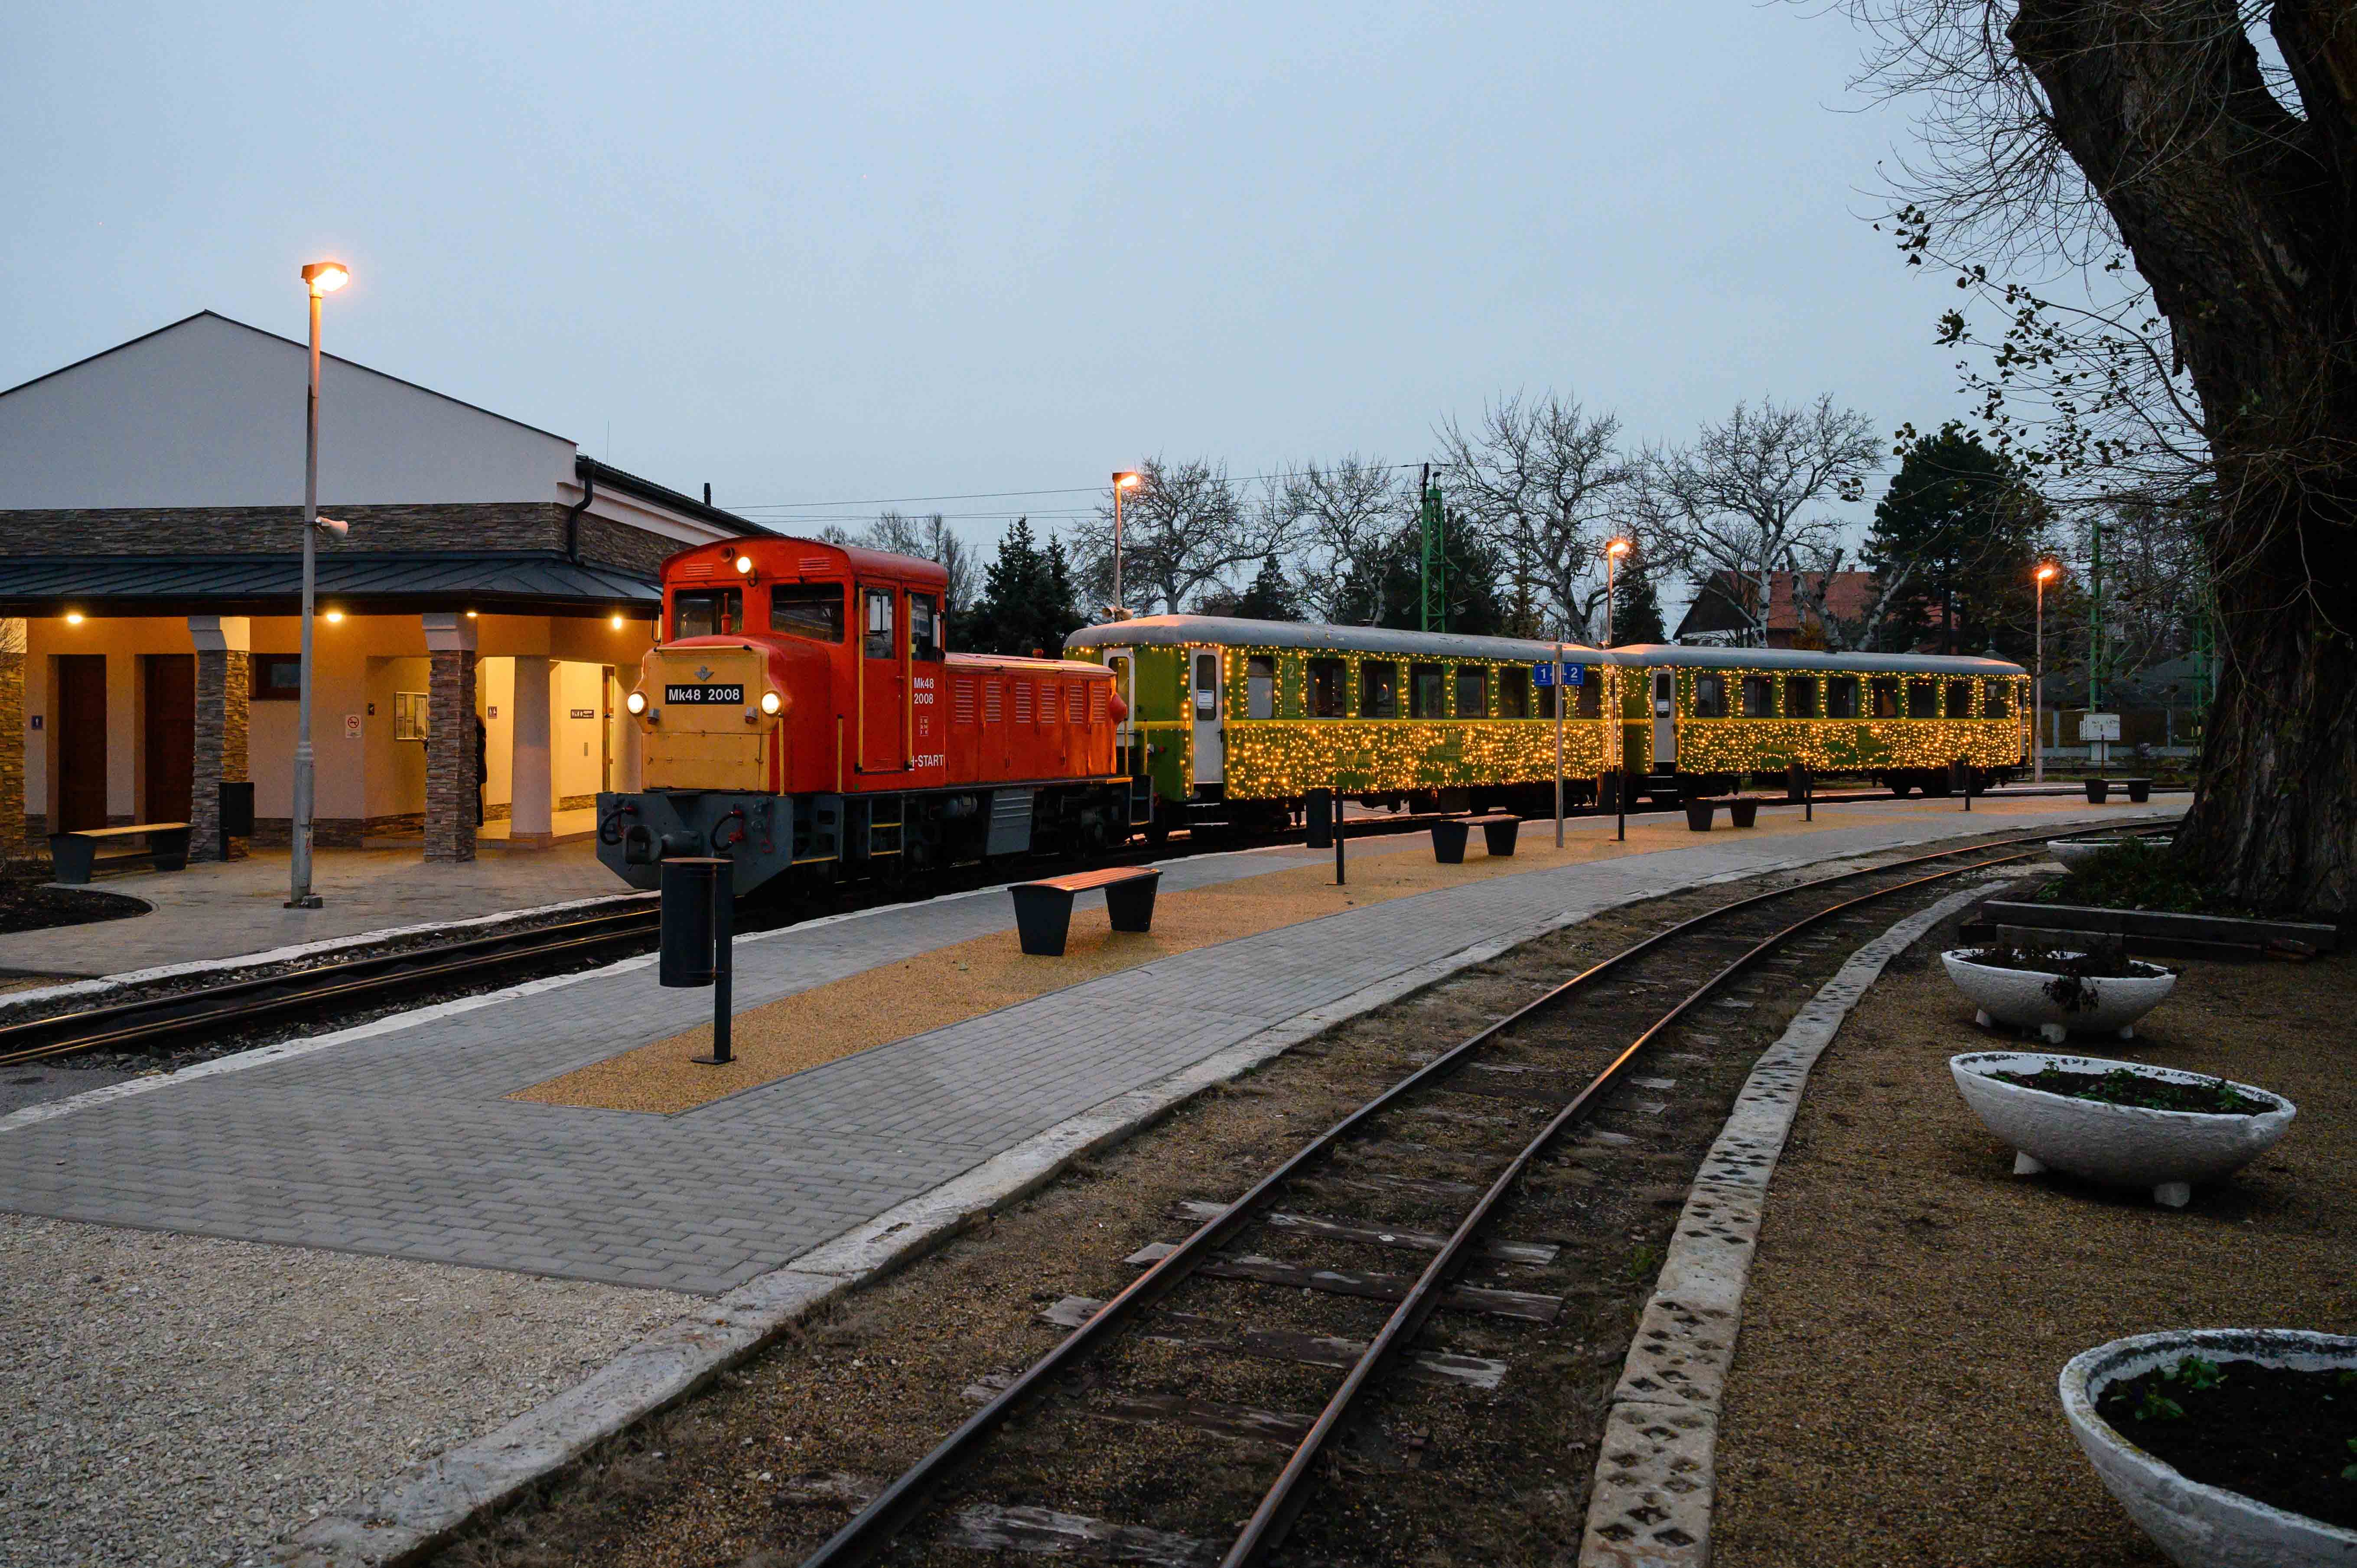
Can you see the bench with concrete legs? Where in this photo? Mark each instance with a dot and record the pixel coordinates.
(1497, 832)
(74, 855)
(1043, 909)
(2099, 790)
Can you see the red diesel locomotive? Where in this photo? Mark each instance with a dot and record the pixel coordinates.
(799, 715)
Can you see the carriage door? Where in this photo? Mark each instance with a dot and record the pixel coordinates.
(1210, 751)
(1666, 720)
(1123, 662)
(881, 698)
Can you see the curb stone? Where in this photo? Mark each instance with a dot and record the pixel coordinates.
(426, 1505)
(1656, 1466)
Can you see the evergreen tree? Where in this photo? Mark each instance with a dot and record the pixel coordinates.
(1962, 524)
(1027, 599)
(1271, 596)
(1636, 605)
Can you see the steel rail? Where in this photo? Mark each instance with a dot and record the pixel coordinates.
(874, 1527)
(143, 1019)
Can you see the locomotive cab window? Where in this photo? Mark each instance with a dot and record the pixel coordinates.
(1379, 690)
(1885, 696)
(1472, 691)
(1758, 697)
(1841, 697)
(924, 626)
(1710, 696)
(877, 620)
(1326, 689)
(1426, 691)
(1996, 701)
(1922, 698)
(714, 612)
(1260, 687)
(1800, 696)
(808, 609)
(1513, 693)
(1960, 699)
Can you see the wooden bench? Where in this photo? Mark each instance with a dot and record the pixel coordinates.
(74, 855)
(1043, 909)
(1497, 832)
(2139, 790)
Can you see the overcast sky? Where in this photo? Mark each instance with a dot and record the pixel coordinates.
(817, 253)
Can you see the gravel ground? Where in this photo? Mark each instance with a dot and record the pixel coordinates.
(175, 1399)
(1893, 1400)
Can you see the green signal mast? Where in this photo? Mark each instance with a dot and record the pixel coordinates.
(1433, 519)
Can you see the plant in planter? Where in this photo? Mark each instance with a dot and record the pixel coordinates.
(2076, 853)
(2232, 1448)
(2121, 1123)
(2058, 993)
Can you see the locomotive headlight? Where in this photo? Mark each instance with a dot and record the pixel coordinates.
(770, 704)
(636, 702)
(744, 565)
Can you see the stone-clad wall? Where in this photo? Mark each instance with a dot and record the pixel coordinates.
(225, 688)
(450, 757)
(12, 825)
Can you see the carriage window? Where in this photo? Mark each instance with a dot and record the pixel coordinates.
(1514, 692)
(1885, 696)
(878, 623)
(1922, 698)
(1472, 691)
(1207, 685)
(1841, 697)
(1800, 696)
(1544, 702)
(1710, 696)
(1426, 691)
(1996, 700)
(1260, 687)
(1588, 697)
(924, 626)
(808, 609)
(1379, 690)
(1960, 699)
(715, 613)
(1758, 697)
(1327, 686)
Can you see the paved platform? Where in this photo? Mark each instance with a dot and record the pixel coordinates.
(225, 909)
(399, 1137)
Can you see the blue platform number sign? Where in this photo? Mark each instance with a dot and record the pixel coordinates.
(1543, 674)
(1573, 674)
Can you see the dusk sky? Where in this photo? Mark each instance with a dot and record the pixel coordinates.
(825, 253)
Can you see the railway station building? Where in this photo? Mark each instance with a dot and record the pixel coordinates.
(477, 627)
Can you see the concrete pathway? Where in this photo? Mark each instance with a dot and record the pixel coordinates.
(395, 1138)
(220, 910)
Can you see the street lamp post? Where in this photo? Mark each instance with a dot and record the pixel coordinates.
(2038, 683)
(1123, 481)
(1613, 720)
(320, 279)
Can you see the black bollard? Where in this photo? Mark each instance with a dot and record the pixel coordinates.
(699, 898)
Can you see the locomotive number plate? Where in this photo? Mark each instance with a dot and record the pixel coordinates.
(707, 695)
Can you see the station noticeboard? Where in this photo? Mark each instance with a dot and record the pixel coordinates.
(2099, 726)
(1543, 674)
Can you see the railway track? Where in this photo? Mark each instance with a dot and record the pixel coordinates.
(1461, 1165)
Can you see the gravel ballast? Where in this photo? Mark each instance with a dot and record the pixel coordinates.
(177, 1400)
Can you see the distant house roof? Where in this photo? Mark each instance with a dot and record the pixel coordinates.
(540, 582)
(1725, 602)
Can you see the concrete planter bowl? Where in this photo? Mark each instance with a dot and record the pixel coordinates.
(2076, 852)
(2053, 1005)
(2118, 1146)
(2199, 1526)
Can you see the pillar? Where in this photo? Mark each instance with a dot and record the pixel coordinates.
(224, 690)
(531, 783)
(12, 738)
(452, 753)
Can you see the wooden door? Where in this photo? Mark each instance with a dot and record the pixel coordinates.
(171, 736)
(78, 794)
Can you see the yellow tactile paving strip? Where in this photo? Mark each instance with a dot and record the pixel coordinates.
(952, 985)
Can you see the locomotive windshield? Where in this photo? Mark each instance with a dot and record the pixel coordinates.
(808, 609)
(708, 614)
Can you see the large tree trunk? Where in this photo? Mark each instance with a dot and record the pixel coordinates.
(2243, 216)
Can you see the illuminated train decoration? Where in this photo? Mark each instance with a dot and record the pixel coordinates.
(1235, 719)
(799, 715)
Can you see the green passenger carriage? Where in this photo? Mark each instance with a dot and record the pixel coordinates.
(1236, 720)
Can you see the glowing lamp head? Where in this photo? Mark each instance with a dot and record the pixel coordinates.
(2046, 573)
(614, 621)
(73, 617)
(335, 618)
(636, 702)
(1125, 481)
(326, 277)
(771, 703)
(1617, 549)
(744, 565)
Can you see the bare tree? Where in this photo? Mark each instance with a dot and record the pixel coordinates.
(1739, 504)
(2058, 132)
(1543, 478)
(1184, 529)
(1345, 515)
(929, 537)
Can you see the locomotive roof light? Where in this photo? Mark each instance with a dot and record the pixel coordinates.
(744, 565)
(636, 702)
(771, 704)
